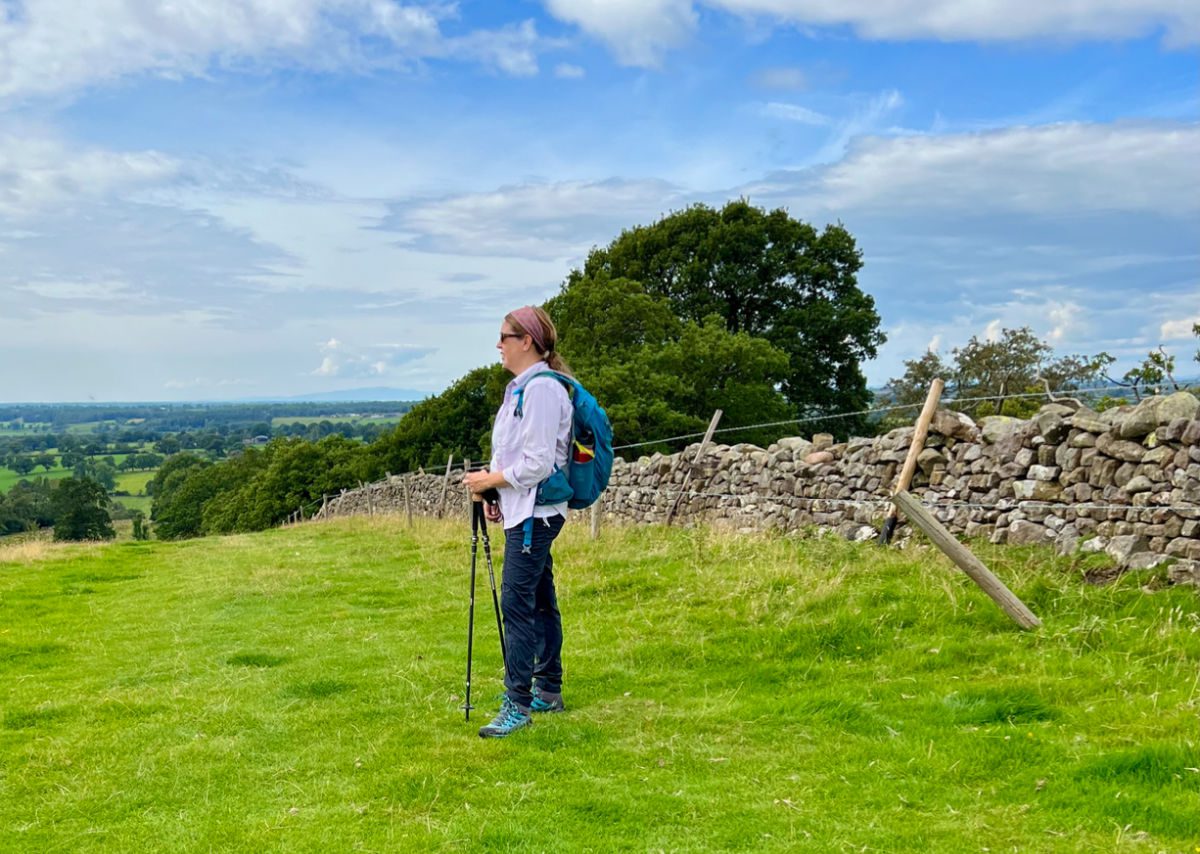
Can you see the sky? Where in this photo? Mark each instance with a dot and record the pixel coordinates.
(227, 199)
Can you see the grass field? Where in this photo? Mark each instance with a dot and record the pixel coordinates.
(298, 690)
(134, 482)
(135, 502)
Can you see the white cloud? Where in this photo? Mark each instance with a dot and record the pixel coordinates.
(542, 220)
(38, 172)
(795, 113)
(935, 343)
(1067, 168)
(567, 71)
(1065, 318)
(1174, 330)
(52, 46)
(985, 20)
(639, 32)
(338, 360)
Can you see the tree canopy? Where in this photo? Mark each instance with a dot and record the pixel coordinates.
(764, 274)
(658, 375)
(989, 376)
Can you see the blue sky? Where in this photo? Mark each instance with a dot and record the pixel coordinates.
(237, 198)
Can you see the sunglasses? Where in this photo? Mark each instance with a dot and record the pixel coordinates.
(504, 335)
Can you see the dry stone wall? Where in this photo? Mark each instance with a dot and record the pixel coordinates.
(1125, 481)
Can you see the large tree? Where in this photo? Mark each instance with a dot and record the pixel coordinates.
(767, 275)
(81, 510)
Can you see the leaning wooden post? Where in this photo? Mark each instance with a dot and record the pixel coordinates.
(712, 427)
(910, 461)
(971, 565)
(445, 483)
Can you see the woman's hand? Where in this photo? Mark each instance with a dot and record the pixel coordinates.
(491, 512)
(482, 481)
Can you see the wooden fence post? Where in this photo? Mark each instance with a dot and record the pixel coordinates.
(407, 499)
(445, 483)
(971, 565)
(712, 427)
(596, 518)
(910, 461)
(467, 470)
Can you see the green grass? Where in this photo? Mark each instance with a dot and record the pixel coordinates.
(135, 502)
(134, 482)
(298, 690)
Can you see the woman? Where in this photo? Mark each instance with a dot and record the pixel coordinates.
(530, 440)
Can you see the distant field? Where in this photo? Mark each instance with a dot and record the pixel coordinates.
(91, 426)
(134, 482)
(335, 419)
(16, 428)
(135, 502)
(9, 478)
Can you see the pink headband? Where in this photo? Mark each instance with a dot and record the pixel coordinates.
(529, 322)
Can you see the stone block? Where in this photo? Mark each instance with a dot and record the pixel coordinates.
(1185, 572)
(1141, 483)
(1145, 560)
(1089, 421)
(1119, 449)
(1082, 440)
(1122, 548)
(1023, 533)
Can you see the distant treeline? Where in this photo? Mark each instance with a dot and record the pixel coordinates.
(216, 428)
(159, 418)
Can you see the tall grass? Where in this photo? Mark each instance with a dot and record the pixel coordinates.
(299, 690)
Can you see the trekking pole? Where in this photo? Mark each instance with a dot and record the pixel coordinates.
(471, 611)
(487, 552)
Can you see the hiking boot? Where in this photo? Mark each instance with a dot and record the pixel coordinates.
(544, 701)
(508, 720)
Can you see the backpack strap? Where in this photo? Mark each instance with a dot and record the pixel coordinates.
(519, 412)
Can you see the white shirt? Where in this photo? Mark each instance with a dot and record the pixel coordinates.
(526, 449)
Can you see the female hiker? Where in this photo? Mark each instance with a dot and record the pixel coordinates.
(530, 441)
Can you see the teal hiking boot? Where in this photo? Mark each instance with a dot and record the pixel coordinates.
(544, 701)
(508, 720)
